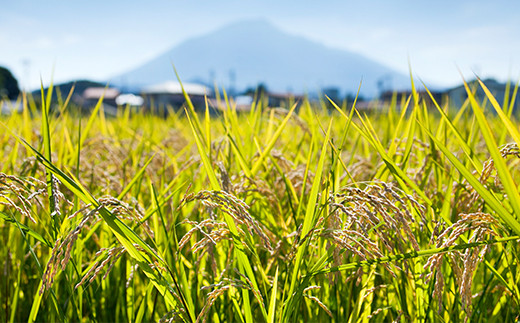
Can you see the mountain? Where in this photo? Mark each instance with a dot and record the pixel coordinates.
(244, 54)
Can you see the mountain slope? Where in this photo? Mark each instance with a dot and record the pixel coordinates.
(244, 54)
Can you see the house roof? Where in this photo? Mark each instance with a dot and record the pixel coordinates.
(171, 87)
(97, 92)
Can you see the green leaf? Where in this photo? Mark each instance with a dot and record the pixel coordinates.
(462, 142)
(205, 158)
(272, 141)
(25, 229)
(489, 198)
(134, 180)
(404, 181)
(512, 129)
(272, 302)
(500, 164)
(243, 260)
(308, 223)
(411, 255)
(48, 154)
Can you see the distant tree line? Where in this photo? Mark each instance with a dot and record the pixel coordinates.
(8, 85)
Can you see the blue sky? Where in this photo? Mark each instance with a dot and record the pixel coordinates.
(99, 39)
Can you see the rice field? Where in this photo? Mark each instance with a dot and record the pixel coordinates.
(300, 213)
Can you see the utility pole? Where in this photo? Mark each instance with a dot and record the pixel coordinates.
(232, 81)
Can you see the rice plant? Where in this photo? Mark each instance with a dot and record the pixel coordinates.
(278, 214)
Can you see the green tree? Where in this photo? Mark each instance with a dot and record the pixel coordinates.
(260, 90)
(8, 84)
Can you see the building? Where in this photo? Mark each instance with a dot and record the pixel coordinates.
(458, 95)
(401, 96)
(285, 100)
(168, 95)
(91, 96)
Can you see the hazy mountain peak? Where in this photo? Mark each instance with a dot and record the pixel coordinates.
(246, 53)
(258, 25)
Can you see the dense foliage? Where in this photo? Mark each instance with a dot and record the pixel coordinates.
(8, 84)
(277, 214)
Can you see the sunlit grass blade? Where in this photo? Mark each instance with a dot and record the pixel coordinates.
(36, 302)
(25, 229)
(463, 143)
(207, 123)
(134, 180)
(35, 305)
(308, 222)
(409, 140)
(272, 302)
(500, 164)
(345, 132)
(243, 261)
(412, 255)
(92, 118)
(168, 247)
(48, 154)
(195, 122)
(511, 128)
(238, 154)
(399, 174)
(271, 143)
(488, 197)
(208, 166)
